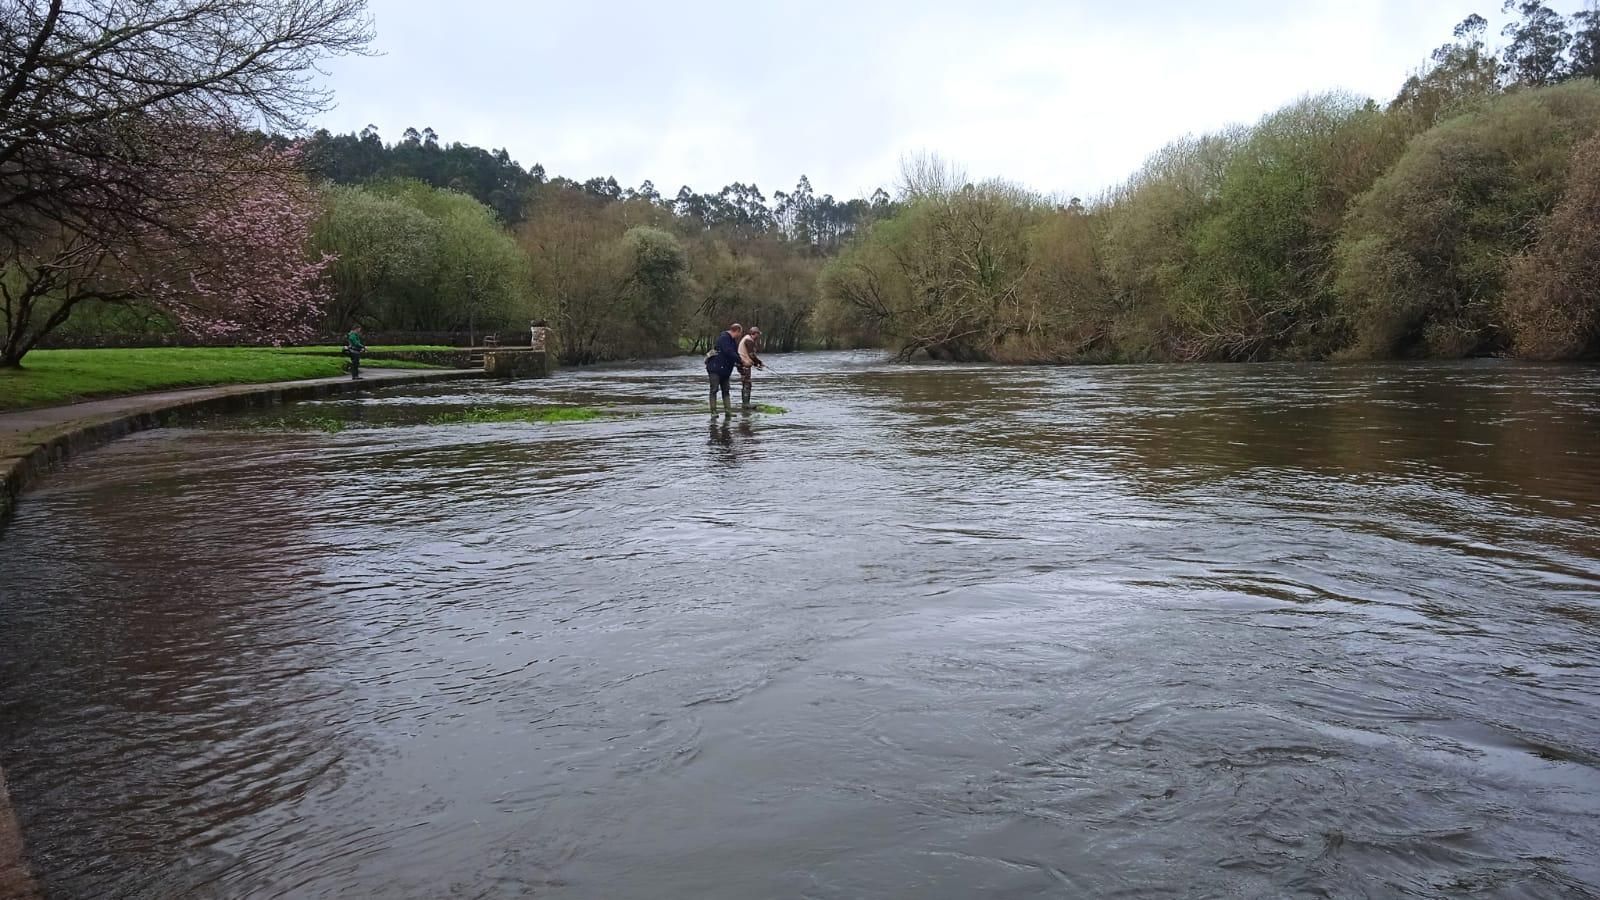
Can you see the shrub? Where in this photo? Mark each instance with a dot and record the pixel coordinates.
(1552, 296)
(1423, 255)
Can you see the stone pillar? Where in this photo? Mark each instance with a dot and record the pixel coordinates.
(540, 333)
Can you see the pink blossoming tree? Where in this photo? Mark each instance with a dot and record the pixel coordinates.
(218, 243)
(128, 173)
(239, 269)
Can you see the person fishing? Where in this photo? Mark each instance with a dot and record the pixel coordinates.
(353, 348)
(720, 363)
(748, 360)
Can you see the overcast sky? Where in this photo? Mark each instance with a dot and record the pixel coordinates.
(1067, 97)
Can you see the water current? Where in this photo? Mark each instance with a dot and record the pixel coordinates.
(934, 631)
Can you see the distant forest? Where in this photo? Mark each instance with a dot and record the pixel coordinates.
(1460, 217)
(620, 271)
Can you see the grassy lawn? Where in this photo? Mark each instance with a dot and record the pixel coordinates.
(51, 377)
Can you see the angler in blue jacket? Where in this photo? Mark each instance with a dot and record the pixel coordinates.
(720, 363)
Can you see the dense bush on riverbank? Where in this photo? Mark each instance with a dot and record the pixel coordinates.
(1550, 294)
(1320, 231)
(1459, 220)
(1426, 254)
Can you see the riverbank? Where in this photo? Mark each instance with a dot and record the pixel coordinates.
(54, 377)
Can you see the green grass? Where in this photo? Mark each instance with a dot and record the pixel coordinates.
(539, 414)
(768, 408)
(53, 377)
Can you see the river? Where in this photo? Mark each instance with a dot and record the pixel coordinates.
(934, 631)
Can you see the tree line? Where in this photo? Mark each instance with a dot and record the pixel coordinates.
(1462, 218)
(149, 181)
(619, 272)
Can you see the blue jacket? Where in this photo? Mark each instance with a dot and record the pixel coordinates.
(726, 358)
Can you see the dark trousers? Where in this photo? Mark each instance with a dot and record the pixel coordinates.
(719, 380)
(745, 383)
(355, 363)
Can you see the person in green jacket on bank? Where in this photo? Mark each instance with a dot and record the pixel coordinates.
(354, 347)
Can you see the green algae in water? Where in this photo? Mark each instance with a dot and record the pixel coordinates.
(769, 408)
(479, 415)
(324, 424)
(566, 414)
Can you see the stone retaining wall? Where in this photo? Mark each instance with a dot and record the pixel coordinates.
(516, 363)
(454, 359)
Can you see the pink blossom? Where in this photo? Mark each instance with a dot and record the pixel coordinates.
(240, 257)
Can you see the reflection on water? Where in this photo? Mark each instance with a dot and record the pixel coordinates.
(732, 442)
(935, 632)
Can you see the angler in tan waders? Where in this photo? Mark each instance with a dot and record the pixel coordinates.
(748, 360)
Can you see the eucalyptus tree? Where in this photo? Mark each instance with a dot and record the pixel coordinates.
(1585, 52)
(1537, 53)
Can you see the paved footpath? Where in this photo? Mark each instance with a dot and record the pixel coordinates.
(34, 441)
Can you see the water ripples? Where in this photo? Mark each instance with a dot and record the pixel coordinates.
(937, 631)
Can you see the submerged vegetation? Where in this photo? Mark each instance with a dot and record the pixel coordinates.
(322, 423)
(538, 414)
(317, 417)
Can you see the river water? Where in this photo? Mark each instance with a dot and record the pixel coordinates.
(935, 631)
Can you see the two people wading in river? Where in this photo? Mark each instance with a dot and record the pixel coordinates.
(734, 349)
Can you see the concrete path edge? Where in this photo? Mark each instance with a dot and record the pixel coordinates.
(27, 456)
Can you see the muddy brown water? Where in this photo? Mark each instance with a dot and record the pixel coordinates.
(936, 631)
